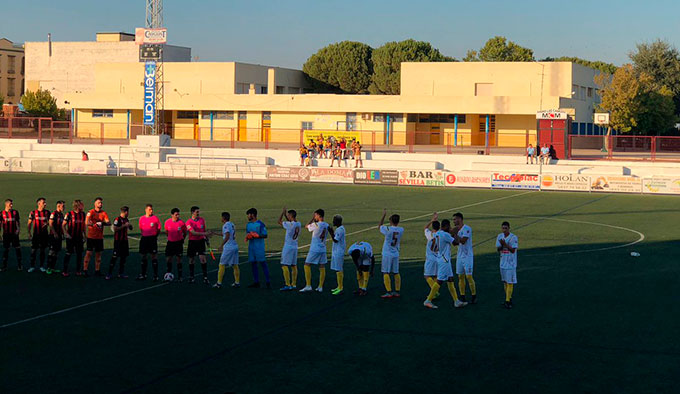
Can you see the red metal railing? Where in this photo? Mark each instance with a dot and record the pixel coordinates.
(624, 147)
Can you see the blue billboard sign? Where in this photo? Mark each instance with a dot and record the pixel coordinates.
(149, 93)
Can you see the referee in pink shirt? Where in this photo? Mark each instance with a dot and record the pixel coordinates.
(176, 230)
(150, 226)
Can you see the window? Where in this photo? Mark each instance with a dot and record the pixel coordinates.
(187, 114)
(223, 115)
(398, 118)
(412, 118)
(293, 90)
(266, 115)
(492, 123)
(263, 90)
(590, 92)
(378, 117)
(242, 115)
(461, 118)
(102, 113)
(242, 88)
(11, 64)
(483, 89)
(574, 91)
(23, 65)
(583, 93)
(351, 121)
(205, 114)
(280, 90)
(307, 126)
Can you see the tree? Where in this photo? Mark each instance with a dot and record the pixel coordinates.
(635, 102)
(661, 61)
(344, 67)
(387, 61)
(499, 49)
(598, 65)
(40, 103)
(2, 100)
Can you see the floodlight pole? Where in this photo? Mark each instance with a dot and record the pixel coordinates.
(154, 20)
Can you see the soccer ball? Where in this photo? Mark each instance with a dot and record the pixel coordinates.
(168, 277)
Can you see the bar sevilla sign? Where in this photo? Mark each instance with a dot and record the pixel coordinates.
(149, 93)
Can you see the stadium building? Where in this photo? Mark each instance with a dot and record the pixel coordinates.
(458, 104)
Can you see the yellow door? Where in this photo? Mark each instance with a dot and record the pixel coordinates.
(242, 126)
(435, 134)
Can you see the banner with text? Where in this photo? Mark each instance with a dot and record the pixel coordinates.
(90, 167)
(288, 174)
(421, 178)
(15, 164)
(509, 180)
(332, 175)
(468, 179)
(567, 182)
(618, 184)
(347, 135)
(376, 177)
(661, 185)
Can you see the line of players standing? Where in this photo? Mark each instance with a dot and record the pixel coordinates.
(47, 231)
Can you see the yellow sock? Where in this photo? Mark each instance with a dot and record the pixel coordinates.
(237, 274)
(360, 279)
(365, 275)
(397, 282)
(293, 276)
(433, 291)
(286, 274)
(473, 287)
(308, 275)
(508, 292)
(388, 282)
(461, 284)
(322, 275)
(220, 273)
(430, 281)
(452, 290)
(341, 277)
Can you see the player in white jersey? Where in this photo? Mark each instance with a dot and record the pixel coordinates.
(229, 257)
(290, 248)
(317, 250)
(362, 256)
(390, 254)
(507, 245)
(338, 253)
(462, 234)
(442, 245)
(430, 271)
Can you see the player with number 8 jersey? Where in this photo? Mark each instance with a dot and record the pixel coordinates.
(289, 253)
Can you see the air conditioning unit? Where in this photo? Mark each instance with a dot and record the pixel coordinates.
(366, 116)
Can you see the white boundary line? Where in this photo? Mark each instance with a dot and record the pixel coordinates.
(269, 255)
(638, 233)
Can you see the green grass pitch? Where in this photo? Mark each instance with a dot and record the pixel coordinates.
(588, 317)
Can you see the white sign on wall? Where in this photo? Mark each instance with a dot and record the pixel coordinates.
(151, 36)
(551, 114)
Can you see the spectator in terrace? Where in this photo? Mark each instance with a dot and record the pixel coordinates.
(356, 149)
(336, 155)
(327, 147)
(552, 153)
(343, 148)
(85, 156)
(545, 154)
(312, 149)
(531, 154)
(304, 154)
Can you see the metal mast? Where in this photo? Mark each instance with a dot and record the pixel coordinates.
(154, 19)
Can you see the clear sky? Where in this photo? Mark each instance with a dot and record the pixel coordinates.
(286, 33)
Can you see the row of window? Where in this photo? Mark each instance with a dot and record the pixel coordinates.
(582, 128)
(583, 92)
(11, 87)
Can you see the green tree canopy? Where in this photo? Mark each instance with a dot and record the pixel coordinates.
(635, 102)
(344, 67)
(2, 100)
(40, 103)
(387, 61)
(661, 61)
(499, 49)
(598, 65)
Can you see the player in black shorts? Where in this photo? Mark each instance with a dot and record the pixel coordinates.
(176, 231)
(150, 227)
(74, 232)
(9, 225)
(56, 235)
(38, 233)
(121, 246)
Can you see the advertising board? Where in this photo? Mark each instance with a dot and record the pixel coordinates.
(421, 178)
(509, 180)
(376, 177)
(661, 185)
(149, 93)
(568, 182)
(15, 164)
(294, 174)
(468, 179)
(332, 175)
(90, 167)
(151, 36)
(618, 184)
